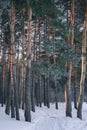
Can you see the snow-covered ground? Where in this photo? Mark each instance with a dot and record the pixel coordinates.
(45, 119)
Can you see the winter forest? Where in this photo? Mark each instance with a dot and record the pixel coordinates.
(43, 59)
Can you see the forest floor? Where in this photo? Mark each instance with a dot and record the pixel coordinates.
(45, 119)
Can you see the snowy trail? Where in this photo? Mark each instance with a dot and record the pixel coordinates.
(45, 119)
(49, 120)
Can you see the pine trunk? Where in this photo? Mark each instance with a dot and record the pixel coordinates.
(8, 100)
(16, 93)
(83, 70)
(40, 92)
(22, 87)
(28, 70)
(37, 93)
(48, 94)
(27, 95)
(75, 92)
(68, 98)
(33, 93)
(3, 75)
(45, 90)
(12, 58)
(68, 93)
(56, 95)
(12, 105)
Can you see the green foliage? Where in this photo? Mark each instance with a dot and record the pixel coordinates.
(19, 3)
(5, 17)
(44, 8)
(5, 26)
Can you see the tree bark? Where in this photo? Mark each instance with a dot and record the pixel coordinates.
(56, 95)
(16, 93)
(40, 91)
(48, 94)
(3, 74)
(75, 91)
(33, 93)
(69, 65)
(27, 95)
(8, 101)
(44, 90)
(28, 70)
(83, 69)
(22, 87)
(12, 58)
(68, 93)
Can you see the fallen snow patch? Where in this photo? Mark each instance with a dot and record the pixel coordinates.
(45, 119)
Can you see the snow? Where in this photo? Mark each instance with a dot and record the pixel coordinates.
(45, 119)
(81, 29)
